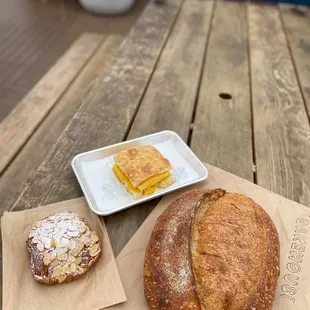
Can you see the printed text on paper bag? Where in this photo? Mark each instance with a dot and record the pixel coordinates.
(296, 255)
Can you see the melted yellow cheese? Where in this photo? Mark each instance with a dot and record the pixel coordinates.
(153, 180)
(149, 191)
(147, 187)
(122, 177)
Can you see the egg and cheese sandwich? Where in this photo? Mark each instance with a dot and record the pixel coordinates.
(142, 169)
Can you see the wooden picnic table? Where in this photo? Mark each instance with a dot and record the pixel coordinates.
(231, 78)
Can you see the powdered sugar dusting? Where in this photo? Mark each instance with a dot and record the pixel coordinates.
(177, 270)
(61, 245)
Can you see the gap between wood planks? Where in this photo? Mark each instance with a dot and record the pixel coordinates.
(192, 124)
(281, 125)
(41, 142)
(251, 95)
(54, 180)
(9, 122)
(169, 100)
(154, 68)
(51, 181)
(294, 62)
(153, 105)
(222, 134)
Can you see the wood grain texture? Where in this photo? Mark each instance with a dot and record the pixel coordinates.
(34, 35)
(170, 98)
(30, 157)
(107, 109)
(18, 126)
(297, 25)
(281, 127)
(41, 142)
(222, 132)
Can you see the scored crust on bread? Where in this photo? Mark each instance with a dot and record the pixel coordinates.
(142, 162)
(234, 253)
(168, 280)
(62, 248)
(231, 257)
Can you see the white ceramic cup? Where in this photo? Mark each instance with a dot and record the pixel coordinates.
(107, 7)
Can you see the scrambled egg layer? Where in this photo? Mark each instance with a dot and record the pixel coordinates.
(147, 187)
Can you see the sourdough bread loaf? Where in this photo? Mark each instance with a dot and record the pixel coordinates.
(212, 250)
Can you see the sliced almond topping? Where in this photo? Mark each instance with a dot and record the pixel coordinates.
(73, 267)
(62, 250)
(86, 239)
(75, 252)
(87, 232)
(46, 254)
(66, 269)
(78, 260)
(62, 263)
(72, 227)
(62, 256)
(35, 240)
(57, 271)
(52, 254)
(93, 250)
(67, 236)
(46, 261)
(47, 244)
(88, 243)
(62, 278)
(64, 242)
(92, 254)
(72, 244)
(94, 237)
(40, 246)
(81, 246)
(53, 243)
(83, 227)
(55, 263)
(73, 233)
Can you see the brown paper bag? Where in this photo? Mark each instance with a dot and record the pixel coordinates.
(293, 224)
(100, 287)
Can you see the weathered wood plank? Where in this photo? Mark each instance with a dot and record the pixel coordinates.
(169, 100)
(19, 125)
(222, 135)
(107, 109)
(297, 24)
(41, 142)
(281, 127)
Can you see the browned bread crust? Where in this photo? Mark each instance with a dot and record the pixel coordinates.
(62, 248)
(168, 279)
(232, 254)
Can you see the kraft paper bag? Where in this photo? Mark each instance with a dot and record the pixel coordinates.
(100, 287)
(291, 219)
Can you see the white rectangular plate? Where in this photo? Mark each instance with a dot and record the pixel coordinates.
(106, 195)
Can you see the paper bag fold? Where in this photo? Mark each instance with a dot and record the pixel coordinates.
(291, 219)
(100, 287)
